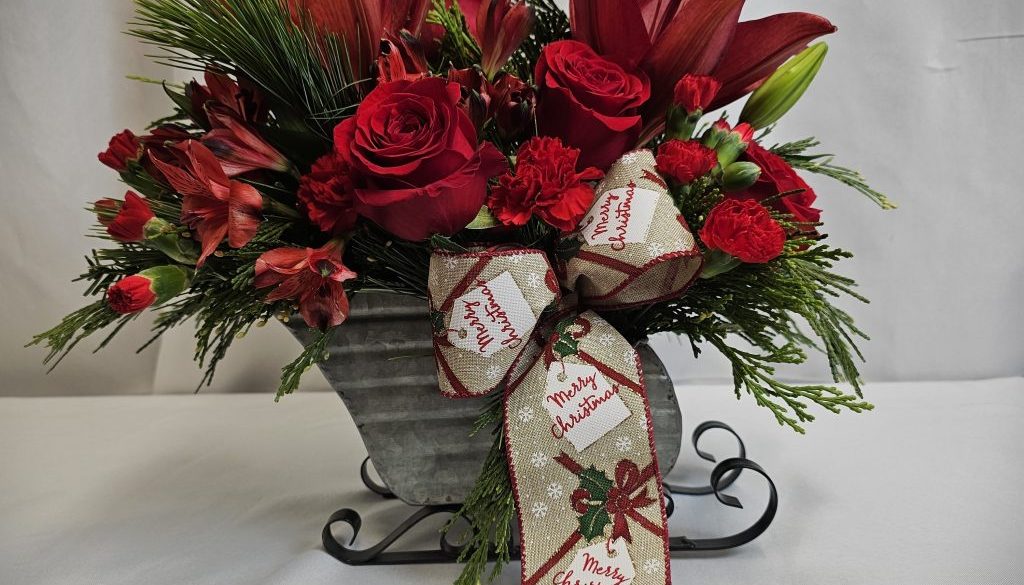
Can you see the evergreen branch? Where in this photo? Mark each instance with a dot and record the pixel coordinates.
(794, 154)
(552, 24)
(74, 328)
(489, 509)
(458, 49)
(312, 354)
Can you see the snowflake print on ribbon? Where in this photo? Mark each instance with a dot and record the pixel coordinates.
(525, 414)
(493, 372)
(652, 566)
(539, 509)
(623, 443)
(538, 459)
(555, 491)
(606, 340)
(655, 249)
(451, 262)
(533, 280)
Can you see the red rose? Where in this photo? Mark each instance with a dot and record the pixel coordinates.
(546, 185)
(130, 295)
(743, 229)
(778, 177)
(327, 194)
(311, 277)
(124, 147)
(418, 168)
(696, 92)
(588, 101)
(685, 161)
(131, 219)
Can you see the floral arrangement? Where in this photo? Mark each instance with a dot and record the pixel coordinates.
(436, 149)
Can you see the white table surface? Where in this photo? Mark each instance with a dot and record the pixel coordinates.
(226, 489)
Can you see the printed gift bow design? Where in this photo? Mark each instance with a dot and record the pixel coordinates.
(576, 409)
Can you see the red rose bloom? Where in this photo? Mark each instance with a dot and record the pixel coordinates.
(327, 194)
(778, 177)
(685, 161)
(417, 166)
(124, 147)
(131, 219)
(311, 277)
(546, 185)
(131, 295)
(743, 229)
(696, 92)
(588, 101)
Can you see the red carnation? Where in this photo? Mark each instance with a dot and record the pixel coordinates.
(685, 161)
(106, 210)
(129, 223)
(124, 147)
(778, 177)
(327, 194)
(311, 277)
(696, 92)
(131, 295)
(743, 229)
(546, 185)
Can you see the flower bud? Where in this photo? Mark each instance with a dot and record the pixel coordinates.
(784, 88)
(727, 141)
(129, 223)
(740, 175)
(693, 94)
(152, 286)
(124, 148)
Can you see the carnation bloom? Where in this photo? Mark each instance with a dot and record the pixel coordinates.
(311, 277)
(327, 194)
(695, 92)
(685, 161)
(150, 287)
(744, 229)
(545, 184)
(213, 205)
(238, 147)
(124, 147)
(129, 223)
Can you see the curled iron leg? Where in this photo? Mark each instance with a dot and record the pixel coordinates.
(728, 479)
(377, 488)
(719, 480)
(378, 554)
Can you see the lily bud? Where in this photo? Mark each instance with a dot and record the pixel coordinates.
(152, 286)
(740, 175)
(784, 88)
(727, 141)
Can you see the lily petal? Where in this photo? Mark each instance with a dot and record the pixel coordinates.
(623, 38)
(760, 46)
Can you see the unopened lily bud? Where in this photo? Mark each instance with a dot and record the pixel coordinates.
(152, 286)
(727, 141)
(784, 88)
(740, 175)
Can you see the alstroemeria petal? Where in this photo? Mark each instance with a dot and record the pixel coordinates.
(244, 207)
(760, 46)
(613, 28)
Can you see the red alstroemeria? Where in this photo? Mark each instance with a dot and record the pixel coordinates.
(669, 38)
(238, 147)
(501, 26)
(214, 206)
(311, 277)
(124, 147)
(129, 223)
(238, 96)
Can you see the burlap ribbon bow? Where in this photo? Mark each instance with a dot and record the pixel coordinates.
(578, 427)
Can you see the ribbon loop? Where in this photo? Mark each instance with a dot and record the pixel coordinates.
(633, 247)
(485, 305)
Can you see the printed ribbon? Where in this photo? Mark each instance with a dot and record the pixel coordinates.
(579, 436)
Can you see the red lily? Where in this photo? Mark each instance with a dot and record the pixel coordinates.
(213, 205)
(501, 26)
(669, 38)
(238, 147)
(312, 277)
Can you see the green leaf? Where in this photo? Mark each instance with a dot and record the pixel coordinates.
(596, 483)
(592, 523)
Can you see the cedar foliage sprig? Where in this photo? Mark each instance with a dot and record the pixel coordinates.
(795, 154)
(552, 24)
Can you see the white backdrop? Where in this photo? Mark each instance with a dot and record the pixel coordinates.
(921, 95)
